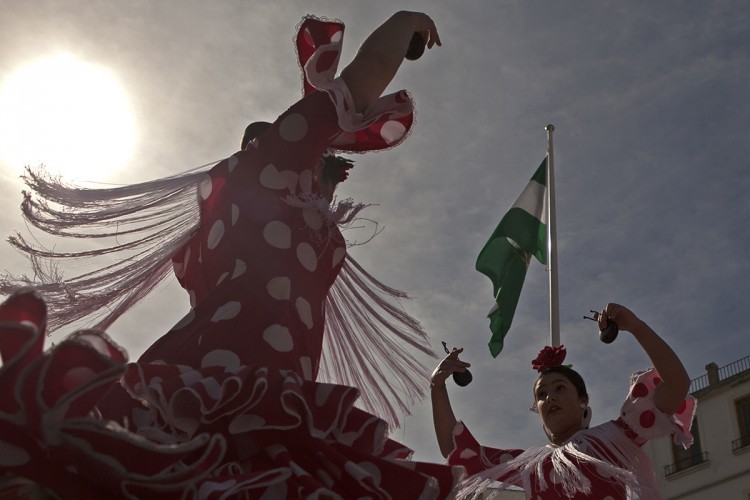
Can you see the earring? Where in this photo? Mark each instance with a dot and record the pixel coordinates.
(586, 417)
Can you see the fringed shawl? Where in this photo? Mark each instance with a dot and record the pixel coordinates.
(152, 219)
(369, 339)
(603, 447)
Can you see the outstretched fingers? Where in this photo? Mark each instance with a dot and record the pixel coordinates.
(449, 365)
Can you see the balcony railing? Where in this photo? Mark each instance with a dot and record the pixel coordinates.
(725, 372)
(686, 463)
(740, 443)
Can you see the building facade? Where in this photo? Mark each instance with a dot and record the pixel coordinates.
(718, 463)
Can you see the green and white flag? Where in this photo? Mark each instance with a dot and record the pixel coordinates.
(521, 234)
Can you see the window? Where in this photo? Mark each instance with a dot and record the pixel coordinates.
(684, 459)
(743, 419)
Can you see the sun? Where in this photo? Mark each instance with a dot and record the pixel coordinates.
(72, 116)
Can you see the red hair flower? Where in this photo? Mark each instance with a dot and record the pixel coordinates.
(549, 357)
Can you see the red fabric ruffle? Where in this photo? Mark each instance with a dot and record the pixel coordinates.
(189, 433)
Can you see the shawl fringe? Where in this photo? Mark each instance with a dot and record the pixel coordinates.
(369, 342)
(149, 222)
(599, 446)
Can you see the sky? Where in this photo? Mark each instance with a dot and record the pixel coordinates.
(649, 103)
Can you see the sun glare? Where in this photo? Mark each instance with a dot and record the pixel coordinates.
(71, 116)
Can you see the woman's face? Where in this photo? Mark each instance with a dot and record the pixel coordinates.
(558, 403)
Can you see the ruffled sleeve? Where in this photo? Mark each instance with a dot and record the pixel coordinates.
(474, 457)
(384, 125)
(640, 414)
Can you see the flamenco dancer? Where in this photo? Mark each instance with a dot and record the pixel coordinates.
(602, 462)
(231, 402)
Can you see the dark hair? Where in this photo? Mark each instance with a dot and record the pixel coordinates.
(336, 168)
(573, 376)
(252, 131)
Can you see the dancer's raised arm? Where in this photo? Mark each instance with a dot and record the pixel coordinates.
(670, 394)
(382, 53)
(442, 412)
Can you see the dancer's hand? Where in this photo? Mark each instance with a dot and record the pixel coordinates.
(448, 366)
(425, 26)
(624, 318)
(382, 53)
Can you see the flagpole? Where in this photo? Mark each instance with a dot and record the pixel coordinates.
(554, 311)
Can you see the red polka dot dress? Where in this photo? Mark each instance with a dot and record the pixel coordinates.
(225, 405)
(604, 462)
(260, 267)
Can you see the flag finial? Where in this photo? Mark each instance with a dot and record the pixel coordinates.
(550, 128)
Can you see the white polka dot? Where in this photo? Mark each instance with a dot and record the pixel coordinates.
(227, 311)
(338, 255)
(205, 187)
(392, 131)
(505, 457)
(293, 127)
(273, 450)
(273, 492)
(271, 178)
(305, 181)
(222, 278)
(307, 257)
(468, 453)
(235, 214)
(322, 392)
(306, 364)
(279, 338)
(278, 288)
(353, 470)
(313, 218)
(277, 234)
(336, 38)
(208, 488)
(298, 471)
(222, 357)
(188, 375)
(211, 386)
(305, 314)
(77, 376)
(215, 234)
(11, 455)
(239, 269)
(372, 470)
(291, 179)
(246, 423)
(324, 478)
(232, 162)
(185, 321)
